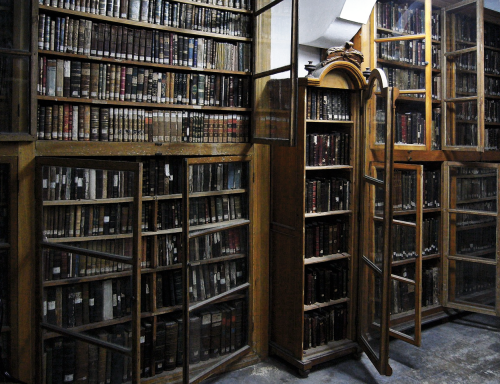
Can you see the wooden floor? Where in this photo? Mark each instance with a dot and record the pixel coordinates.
(465, 350)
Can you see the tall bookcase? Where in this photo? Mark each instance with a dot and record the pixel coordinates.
(313, 221)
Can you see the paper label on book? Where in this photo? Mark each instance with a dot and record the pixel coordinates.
(56, 270)
(68, 378)
(239, 274)
(223, 281)
(78, 300)
(206, 319)
(45, 308)
(52, 305)
(53, 184)
(115, 181)
(80, 182)
(143, 339)
(147, 289)
(115, 300)
(216, 318)
(45, 183)
(91, 302)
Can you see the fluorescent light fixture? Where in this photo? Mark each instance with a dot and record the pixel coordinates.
(357, 11)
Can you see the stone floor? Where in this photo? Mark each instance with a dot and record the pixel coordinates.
(464, 350)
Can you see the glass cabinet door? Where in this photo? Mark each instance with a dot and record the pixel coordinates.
(471, 244)
(463, 76)
(375, 267)
(216, 264)
(275, 72)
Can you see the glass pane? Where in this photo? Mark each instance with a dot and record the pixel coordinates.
(403, 295)
(403, 18)
(273, 48)
(272, 113)
(262, 3)
(472, 283)
(462, 124)
(71, 360)
(463, 21)
(328, 104)
(12, 14)
(406, 79)
(409, 52)
(475, 236)
(4, 204)
(217, 331)
(465, 81)
(371, 309)
(380, 120)
(14, 91)
(475, 188)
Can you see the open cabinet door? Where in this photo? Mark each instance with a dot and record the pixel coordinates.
(463, 76)
(391, 249)
(275, 72)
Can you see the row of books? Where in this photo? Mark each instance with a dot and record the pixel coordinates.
(161, 176)
(328, 104)
(404, 51)
(223, 243)
(466, 110)
(475, 278)
(468, 219)
(432, 188)
(192, 17)
(216, 177)
(475, 240)
(67, 183)
(327, 149)
(326, 238)
(75, 305)
(401, 17)
(92, 39)
(405, 78)
(410, 128)
(465, 134)
(436, 56)
(466, 83)
(87, 220)
(476, 188)
(491, 86)
(327, 195)
(325, 325)
(436, 88)
(138, 10)
(402, 293)
(436, 129)
(324, 283)
(492, 139)
(431, 227)
(403, 243)
(168, 249)
(213, 209)
(491, 111)
(491, 35)
(91, 123)
(466, 61)
(491, 62)
(430, 286)
(4, 201)
(66, 265)
(79, 361)
(105, 81)
(465, 28)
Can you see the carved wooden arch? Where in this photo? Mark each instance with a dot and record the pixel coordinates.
(353, 73)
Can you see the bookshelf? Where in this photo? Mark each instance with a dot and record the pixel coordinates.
(313, 221)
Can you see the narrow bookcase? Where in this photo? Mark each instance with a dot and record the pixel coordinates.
(313, 222)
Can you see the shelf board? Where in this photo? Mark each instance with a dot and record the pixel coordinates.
(413, 211)
(143, 24)
(323, 259)
(200, 304)
(173, 196)
(323, 167)
(331, 347)
(491, 48)
(165, 310)
(85, 279)
(479, 253)
(497, 124)
(116, 200)
(100, 148)
(312, 307)
(140, 104)
(431, 257)
(220, 259)
(478, 200)
(218, 193)
(212, 227)
(410, 260)
(487, 74)
(138, 63)
(329, 213)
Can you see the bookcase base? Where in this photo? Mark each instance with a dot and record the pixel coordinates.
(322, 355)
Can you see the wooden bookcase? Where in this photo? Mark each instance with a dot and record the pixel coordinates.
(297, 219)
